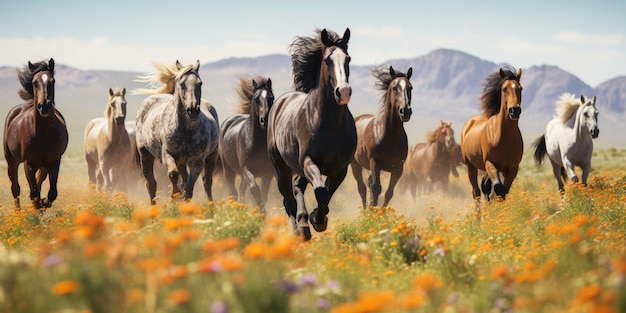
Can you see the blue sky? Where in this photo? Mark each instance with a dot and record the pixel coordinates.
(586, 38)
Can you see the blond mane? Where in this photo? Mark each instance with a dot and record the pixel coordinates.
(162, 80)
(566, 106)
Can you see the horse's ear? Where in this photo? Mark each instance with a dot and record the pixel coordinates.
(31, 66)
(123, 91)
(391, 71)
(196, 67)
(346, 35)
(254, 84)
(269, 83)
(409, 73)
(51, 65)
(110, 92)
(594, 100)
(325, 40)
(583, 99)
(178, 65)
(519, 74)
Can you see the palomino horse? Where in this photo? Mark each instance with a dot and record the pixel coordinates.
(108, 146)
(311, 131)
(243, 140)
(430, 163)
(177, 127)
(492, 141)
(35, 133)
(382, 142)
(568, 138)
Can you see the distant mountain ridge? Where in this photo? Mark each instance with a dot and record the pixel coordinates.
(446, 86)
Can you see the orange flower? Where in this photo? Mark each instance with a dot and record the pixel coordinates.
(277, 221)
(176, 223)
(134, 295)
(255, 250)
(190, 208)
(65, 287)
(499, 271)
(427, 281)
(412, 299)
(179, 296)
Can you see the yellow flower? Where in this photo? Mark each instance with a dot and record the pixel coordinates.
(179, 296)
(65, 287)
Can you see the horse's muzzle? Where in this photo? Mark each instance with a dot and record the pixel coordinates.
(515, 112)
(595, 133)
(262, 122)
(405, 114)
(193, 112)
(119, 121)
(343, 94)
(45, 108)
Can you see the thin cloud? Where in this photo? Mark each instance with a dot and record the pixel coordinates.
(379, 32)
(588, 39)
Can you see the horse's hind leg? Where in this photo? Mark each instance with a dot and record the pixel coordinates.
(357, 172)
(12, 167)
(147, 163)
(557, 171)
(207, 180)
(472, 175)
(229, 178)
(35, 195)
(374, 183)
(302, 216)
(285, 186)
(249, 182)
(91, 170)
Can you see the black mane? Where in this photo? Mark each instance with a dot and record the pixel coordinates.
(25, 77)
(490, 100)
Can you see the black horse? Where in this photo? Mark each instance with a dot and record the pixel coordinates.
(311, 131)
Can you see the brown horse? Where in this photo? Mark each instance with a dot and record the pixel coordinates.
(382, 142)
(108, 146)
(430, 163)
(491, 141)
(35, 133)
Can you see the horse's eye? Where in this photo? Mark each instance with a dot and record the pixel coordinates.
(586, 114)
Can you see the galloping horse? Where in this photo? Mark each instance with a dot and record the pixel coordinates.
(108, 145)
(311, 131)
(177, 127)
(382, 142)
(35, 133)
(243, 140)
(492, 141)
(568, 138)
(429, 163)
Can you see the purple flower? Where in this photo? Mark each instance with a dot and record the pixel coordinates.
(289, 286)
(52, 260)
(322, 304)
(308, 280)
(219, 307)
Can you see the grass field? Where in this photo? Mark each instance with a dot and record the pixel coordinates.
(537, 251)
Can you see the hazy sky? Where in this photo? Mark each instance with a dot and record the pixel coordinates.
(586, 38)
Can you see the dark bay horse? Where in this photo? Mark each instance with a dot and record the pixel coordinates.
(179, 128)
(382, 142)
(430, 163)
(491, 142)
(311, 131)
(35, 133)
(243, 140)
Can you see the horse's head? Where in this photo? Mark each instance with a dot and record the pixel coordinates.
(116, 108)
(336, 65)
(189, 88)
(446, 135)
(262, 100)
(511, 94)
(43, 88)
(399, 92)
(589, 115)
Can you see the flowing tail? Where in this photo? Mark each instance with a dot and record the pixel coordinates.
(540, 149)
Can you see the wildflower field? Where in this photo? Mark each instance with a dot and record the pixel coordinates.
(538, 251)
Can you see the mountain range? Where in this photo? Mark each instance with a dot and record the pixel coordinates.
(447, 85)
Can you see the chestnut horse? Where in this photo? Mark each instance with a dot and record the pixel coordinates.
(243, 141)
(568, 140)
(311, 131)
(35, 133)
(382, 142)
(491, 141)
(108, 145)
(175, 126)
(430, 163)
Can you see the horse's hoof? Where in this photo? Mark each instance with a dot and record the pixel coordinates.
(319, 226)
(305, 232)
(45, 203)
(499, 189)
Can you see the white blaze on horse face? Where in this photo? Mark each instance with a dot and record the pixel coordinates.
(44, 77)
(405, 92)
(342, 89)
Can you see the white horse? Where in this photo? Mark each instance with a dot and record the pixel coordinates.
(109, 146)
(568, 138)
(177, 127)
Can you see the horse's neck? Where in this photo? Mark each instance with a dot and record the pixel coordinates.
(389, 119)
(43, 124)
(502, 126)
(579, 129)
(324, 105)
(254, 128)
(114, 131)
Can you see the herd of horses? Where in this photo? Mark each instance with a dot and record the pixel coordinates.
(304, 136)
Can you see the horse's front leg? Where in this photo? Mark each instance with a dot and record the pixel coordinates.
(492, 172)
(195, 168)
(53, 176)
(569, 168)
(319, 220)
(105, 170)
(586, 168)
(393, 180)
(357, 172)
(172, 174)
(249, 182)
(322, 195)
(374, 183)
(302, 216)
(147, 169)
(35, 196)
(509, 177)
